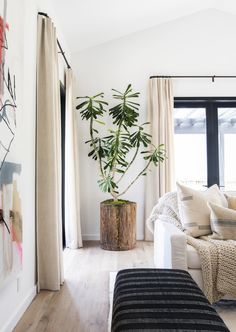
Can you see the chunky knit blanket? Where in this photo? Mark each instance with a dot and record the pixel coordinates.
(218, 257)
(165, 210)
(218, 262)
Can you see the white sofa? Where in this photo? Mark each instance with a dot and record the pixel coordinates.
(172, 251)
(170, 243)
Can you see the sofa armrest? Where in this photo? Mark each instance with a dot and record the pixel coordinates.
(170, 246)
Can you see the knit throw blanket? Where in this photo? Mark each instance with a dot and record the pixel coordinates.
(218, 262)
(166, 210)
(218, 257)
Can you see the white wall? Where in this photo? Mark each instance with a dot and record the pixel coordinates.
(199, 44)
(16, 295)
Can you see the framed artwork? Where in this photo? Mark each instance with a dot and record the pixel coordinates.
(10, 166)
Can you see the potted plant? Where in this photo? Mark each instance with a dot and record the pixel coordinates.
(114, 155)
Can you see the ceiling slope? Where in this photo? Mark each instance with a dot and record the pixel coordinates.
(87, 23)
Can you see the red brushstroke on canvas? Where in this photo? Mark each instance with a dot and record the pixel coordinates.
(3, 26)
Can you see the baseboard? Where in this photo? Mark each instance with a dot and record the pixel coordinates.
(96, 237)
(91, 237)
(16, 316)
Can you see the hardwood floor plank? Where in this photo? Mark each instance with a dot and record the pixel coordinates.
(82, 304)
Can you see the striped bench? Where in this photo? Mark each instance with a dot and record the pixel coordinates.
(161, 300)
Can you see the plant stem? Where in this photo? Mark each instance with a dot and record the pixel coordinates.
(135, 179)
(113, 165)
(114, 195)
(112, 170)
(95, 148)
(133, 159)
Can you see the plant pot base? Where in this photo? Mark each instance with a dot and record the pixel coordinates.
(111, 248)
(118, 226)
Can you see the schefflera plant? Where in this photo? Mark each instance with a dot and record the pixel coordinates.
(113, 152)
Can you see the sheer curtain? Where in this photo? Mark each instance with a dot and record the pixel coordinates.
(48, 160)
(72, 197)
(160, 116)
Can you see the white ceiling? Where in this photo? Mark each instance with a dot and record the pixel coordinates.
(87, 23)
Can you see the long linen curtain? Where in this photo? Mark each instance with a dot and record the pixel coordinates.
(160, 116)
(48, 160)
(72, 197)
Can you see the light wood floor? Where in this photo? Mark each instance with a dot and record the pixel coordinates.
(82, 305)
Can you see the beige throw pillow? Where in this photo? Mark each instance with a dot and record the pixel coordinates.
(231, 201)
(223, 222)
(193, 208)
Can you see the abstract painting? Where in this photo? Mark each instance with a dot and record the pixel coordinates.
(10, 167)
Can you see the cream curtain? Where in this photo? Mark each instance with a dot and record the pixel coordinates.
(48, 160)
(72, 197)
(160, 116)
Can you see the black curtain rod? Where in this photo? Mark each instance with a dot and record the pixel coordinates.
(194, 76)
(59, 45)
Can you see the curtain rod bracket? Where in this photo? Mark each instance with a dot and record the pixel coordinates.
(213, 79)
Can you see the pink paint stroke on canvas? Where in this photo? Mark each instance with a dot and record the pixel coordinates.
(17, 242)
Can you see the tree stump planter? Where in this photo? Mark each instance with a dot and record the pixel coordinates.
(117, 225)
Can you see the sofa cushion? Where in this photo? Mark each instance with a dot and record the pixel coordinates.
(193, 208)
(223, 222)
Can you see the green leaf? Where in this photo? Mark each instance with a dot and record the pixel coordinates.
(101, 102)
(100, 122)
(81, 105)
(101, 94)
(119, 170)
(117, 91)
(91, 153)
(107, 184)
(128, 89)
(145, 152)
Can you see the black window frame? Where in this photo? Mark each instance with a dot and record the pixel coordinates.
(211, 105)
(63, 128)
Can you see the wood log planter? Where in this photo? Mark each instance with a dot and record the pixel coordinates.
(117, 225)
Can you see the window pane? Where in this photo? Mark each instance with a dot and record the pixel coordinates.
(190, 146)
(227, 144)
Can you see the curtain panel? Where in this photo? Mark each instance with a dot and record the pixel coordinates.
(72, 196)
(48, 160)
(160, 116)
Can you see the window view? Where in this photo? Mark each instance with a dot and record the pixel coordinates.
(190, 146)
(227, 144)
(205, 141)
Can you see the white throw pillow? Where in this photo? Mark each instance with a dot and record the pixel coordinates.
(223, 222)
(193, 208)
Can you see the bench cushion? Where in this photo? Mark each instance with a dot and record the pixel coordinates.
(161, 300)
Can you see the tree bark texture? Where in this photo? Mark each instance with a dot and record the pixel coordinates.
(117, 226)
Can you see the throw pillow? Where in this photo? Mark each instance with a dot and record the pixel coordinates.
(223, 222)
(193, 208)
(231, 201)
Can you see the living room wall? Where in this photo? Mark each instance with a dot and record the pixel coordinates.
(199, 44)
(17, 293)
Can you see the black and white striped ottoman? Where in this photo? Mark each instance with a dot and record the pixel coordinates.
(161, 300)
